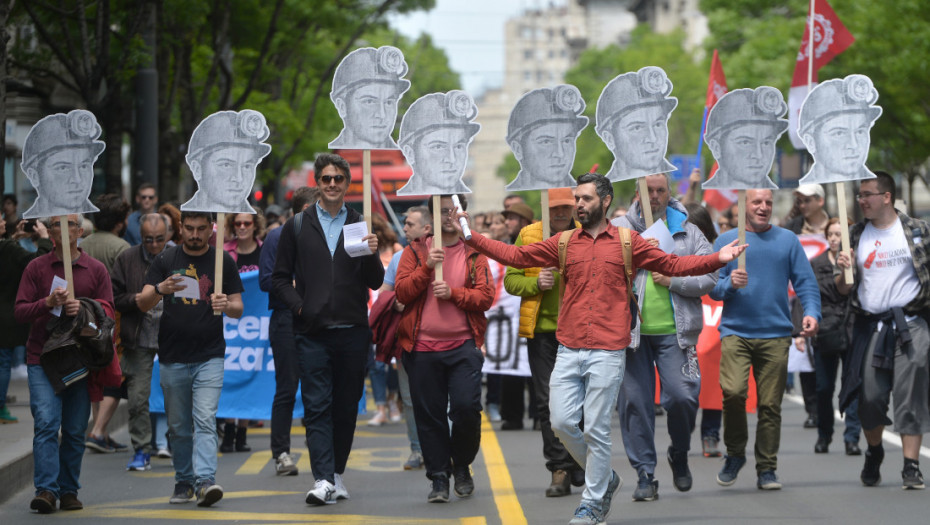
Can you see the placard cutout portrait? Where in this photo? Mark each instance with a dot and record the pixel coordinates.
(742, 129)
(223, 155)
(835, 125)
(434, 137)
(58, 159)
(542, 132)
(632, 120)
(367, 86)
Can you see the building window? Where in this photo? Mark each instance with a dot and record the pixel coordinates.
(528, 54)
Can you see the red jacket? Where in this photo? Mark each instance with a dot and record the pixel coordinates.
(414, 279)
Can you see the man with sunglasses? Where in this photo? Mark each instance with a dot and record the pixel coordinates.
(890, 297)
(147, 199)
(139, 331)
(327, 290)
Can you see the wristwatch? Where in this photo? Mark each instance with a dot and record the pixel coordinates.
(157, 290)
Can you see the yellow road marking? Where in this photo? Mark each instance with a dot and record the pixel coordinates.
(303, 462)
(255, 463)
(505, 496)
(300, 431)
(378, 459)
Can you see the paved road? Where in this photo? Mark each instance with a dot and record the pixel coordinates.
(510, 479)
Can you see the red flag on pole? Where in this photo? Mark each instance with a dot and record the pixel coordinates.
(716, 88)
(830, 38)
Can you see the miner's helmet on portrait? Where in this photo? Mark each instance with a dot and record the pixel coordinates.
(628, 92)
(544, 106)
(244, 129)
(368, 65)
(764, 105)
(76, 129)
(853, 94)
(454, 109)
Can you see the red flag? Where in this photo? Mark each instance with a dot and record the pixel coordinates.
(716, 88)
(830, 39)
(377, 203)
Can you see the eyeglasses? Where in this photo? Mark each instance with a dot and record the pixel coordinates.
(865, 195)
(243, 224)
(326, 179)
(71, 224)
(153, 240)
(147, 197)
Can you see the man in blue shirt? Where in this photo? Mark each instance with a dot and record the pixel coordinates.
(755, 331)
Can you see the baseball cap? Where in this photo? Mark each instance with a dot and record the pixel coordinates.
(809, 190)
(561, 197)
(521, 210)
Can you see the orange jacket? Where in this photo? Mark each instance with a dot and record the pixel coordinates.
(414, 279)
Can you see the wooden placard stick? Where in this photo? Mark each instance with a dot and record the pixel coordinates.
(437, 232)
(644, 201)
(366, 186)
(218, 268)
(844, 228)
(66, 253)
(741, 224)
(544, 214)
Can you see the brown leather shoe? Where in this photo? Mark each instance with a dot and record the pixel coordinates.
(70, 502)
(561, 485)
(44, 502)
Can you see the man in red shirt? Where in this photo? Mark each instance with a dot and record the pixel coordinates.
(441, 330)
(594, 329)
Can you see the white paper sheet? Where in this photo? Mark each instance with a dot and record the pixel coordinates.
(57, 282)
(352, 239)
(659, 231)
(191, 290)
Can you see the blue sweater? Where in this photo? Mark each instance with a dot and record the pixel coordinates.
(760, 310)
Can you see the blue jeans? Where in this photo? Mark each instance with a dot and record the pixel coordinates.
(57, 468)
(192, 395)
(681, 385)
(404, 385)
(586, 381)
(6, 362)
(377, 372)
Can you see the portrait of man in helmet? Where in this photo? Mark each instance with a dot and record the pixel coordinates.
(434, 137)
(542, 132)
(58, 158)
(367, 86)
(835, 125)
(632, 120)
(223, 156)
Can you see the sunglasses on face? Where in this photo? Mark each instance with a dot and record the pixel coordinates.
(326, 179)
(242, 224)
(147, 197)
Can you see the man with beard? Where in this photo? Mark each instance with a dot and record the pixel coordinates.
(594, 328)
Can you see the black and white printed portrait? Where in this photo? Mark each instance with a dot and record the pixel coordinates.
(632, 120)
(224, 152)
(367, 85)
(742, 129)
(542, 132)
(58, 159)
(835, 124)
(434, 138)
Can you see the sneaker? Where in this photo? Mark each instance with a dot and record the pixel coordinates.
(43, 502)
(464, 483)
(163, 453)
(141, 461)
(98, 444)
(852, 449)
(284, 465)
(440, 489)
(811, 421)
(208, 494)
(585, 515)
(116, 446)
(323, 493)
(822, 446)
(731, 468)
(710, 448)
(612, 487)
(681, 474)
(414, 462)
(395, 415)
(70, 501)
(494, 412)
(341, 491)
(767, 480)
(912, 478)
(378, 419)
(647, 488)
(183, 492)
(871, 472)
(6, 417)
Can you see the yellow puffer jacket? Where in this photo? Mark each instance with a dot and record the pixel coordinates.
(529, 306)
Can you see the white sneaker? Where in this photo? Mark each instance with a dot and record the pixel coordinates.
(323, 493)
(341, 492)
(378, 419)
(284, 465)
(163, 453)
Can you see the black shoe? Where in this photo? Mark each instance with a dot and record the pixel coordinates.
(464, 483)
(871, 472)
(229, 438)
(647, 488)
(241, 444)
(43, 503)
(823, 446)
(681, 474)
(512, 425)
(912, 478)
(852, 449)
(811, 421)
(440, 492)
(577, 476)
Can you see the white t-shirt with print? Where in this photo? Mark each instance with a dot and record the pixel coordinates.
(886, 268)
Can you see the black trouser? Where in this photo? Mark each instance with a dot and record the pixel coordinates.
(286, 378)
(332, 377)
(542, 350)
(446, 386)
(809, 391)
(513, 404)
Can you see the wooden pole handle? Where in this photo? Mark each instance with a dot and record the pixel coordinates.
(741, 221)
(544, 213)
(66, 254)
(644, 201)
(366, 187)
(218, 269)
(437, 232)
